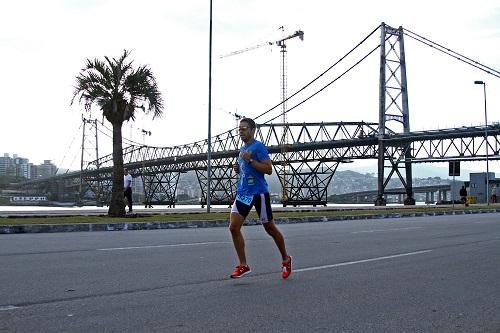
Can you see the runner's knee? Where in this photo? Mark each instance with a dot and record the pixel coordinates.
(270, 228)
(236, 221)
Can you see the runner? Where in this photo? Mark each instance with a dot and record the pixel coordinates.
(252, 190)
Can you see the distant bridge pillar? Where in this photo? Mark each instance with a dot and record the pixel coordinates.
(159, 185)
(306, 182)
(429, 197)
(223, 182)
(393, 106)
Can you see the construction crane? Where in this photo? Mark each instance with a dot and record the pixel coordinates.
(283, 66)
(246, 49)
(284, 96)
(283, 87)
(237, 118)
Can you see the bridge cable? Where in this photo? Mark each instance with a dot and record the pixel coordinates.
(327, 85)
(320, 75)
(451, 53)
(67, 151)
(124, 139)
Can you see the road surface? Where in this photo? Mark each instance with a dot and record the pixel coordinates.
(427, 274)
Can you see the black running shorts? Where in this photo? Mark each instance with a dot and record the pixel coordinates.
(262, 203)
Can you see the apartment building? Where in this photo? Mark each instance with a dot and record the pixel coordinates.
(16, 166)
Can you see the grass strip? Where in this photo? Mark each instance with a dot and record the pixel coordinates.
(222, 216)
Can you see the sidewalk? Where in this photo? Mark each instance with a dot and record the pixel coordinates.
(152, 225)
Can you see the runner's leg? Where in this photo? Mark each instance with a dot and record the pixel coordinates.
(236, 221)
(265, 212)
(278, 238)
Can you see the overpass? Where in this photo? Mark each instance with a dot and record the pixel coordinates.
(430, 192)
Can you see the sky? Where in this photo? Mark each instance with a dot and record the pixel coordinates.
(44, 44)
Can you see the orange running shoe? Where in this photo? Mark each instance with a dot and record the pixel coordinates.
(287, 268)
(240, 271)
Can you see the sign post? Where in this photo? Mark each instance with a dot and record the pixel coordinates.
(453, 170)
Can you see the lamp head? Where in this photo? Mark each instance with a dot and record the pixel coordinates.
(478, 82)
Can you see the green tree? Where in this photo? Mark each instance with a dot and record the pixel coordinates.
(118, 90)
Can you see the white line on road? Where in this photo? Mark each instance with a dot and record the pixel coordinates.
(383, 230)
(8, 307)
(158, 246)
(360, 261)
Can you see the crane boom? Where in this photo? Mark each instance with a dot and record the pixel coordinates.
(298, 33)
(246, 49)
(280, 42)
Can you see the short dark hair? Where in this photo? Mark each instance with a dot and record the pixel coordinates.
(249, 121)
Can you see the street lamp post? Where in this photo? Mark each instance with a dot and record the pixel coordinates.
(209, 139)
(486, 142)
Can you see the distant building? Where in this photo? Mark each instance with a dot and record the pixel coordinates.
(20, 167)
(15, 166)
(47, 169)
(5, 164)
(477, 185)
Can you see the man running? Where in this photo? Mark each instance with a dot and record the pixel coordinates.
(252, 190)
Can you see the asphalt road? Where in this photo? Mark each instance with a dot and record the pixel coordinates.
(432, 274)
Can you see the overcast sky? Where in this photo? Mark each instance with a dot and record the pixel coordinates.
(44, 44)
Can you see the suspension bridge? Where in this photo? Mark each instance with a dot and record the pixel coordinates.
(305, 155)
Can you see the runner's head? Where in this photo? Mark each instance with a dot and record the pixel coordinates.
(247, 129)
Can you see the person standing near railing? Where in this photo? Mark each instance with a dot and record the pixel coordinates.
(127, 188)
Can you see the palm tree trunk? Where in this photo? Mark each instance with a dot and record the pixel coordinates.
(117, 205)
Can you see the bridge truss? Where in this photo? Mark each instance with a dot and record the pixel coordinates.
(315, 152)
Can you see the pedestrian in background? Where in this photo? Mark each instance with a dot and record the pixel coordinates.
(127, 188)
(463, 195)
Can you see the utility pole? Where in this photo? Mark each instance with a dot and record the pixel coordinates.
(209, 139)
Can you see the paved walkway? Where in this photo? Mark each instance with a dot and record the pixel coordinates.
(136, 224)
(32, 211)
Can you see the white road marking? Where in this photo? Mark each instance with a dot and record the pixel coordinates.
(383, 230)
(158, 246)
(8, 307)
(360, 261)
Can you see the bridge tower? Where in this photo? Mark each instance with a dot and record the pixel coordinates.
(89, 158)
(393, 107)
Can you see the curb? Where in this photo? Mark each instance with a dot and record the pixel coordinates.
(125, 226)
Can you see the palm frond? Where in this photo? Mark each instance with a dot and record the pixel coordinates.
(117, 88)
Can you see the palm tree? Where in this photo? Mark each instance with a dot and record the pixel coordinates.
(118, 90)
